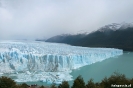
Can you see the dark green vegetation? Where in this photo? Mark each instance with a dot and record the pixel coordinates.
(114, 80)
(64, 85)
(78, 83)
(121, 38)
(7, 83)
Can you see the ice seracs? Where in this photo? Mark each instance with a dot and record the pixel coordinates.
(33, 61)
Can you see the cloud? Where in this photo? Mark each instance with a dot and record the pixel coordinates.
(31, 19)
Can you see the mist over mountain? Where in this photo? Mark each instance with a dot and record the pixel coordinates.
(110, 36)
(33, 19)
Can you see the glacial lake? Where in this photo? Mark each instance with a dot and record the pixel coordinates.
(97, 71)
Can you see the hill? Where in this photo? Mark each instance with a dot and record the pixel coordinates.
(110, 36)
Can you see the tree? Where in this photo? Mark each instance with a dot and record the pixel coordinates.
(90, 84)
(24, 85)
(53, 86)
(64, 85)
(115, 78)
(7, 83)
(105, 83)
(79, 83)
(42, 86)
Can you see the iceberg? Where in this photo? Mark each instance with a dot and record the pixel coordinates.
(42, 61)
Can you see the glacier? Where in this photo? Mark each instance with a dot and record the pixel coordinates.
(47, 62)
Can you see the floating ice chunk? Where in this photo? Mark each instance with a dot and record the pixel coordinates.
(28, 72)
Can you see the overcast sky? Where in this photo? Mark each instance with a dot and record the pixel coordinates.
(31, 19)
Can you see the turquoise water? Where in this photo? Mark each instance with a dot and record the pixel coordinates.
(97, 71)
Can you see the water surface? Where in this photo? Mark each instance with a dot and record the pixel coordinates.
(97, 71)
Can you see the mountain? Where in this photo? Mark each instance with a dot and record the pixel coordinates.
(110, 36)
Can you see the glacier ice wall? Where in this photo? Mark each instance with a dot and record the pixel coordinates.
(23, 56)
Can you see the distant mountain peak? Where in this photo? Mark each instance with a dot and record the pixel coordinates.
(82, 32)
(115, 26)
(126, 25)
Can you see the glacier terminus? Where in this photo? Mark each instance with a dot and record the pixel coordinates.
(47, 62)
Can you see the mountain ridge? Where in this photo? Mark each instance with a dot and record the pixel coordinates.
(109, 36)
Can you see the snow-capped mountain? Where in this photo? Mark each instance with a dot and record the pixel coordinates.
(112, 35)
(115, 26)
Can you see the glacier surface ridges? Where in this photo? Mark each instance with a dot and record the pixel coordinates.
(30, 57)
